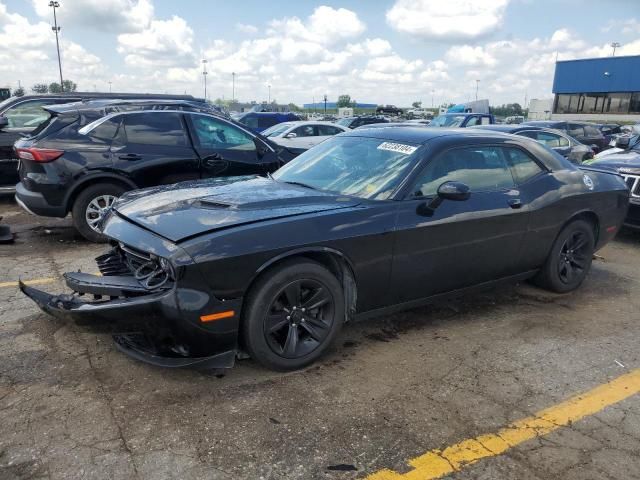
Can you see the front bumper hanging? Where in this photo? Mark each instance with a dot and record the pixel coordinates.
(150, 325)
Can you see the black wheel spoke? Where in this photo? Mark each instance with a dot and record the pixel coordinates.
(578, 262)
(291, 343)
(276, 321)
(313, 332)
(316, 300)
(292, 292)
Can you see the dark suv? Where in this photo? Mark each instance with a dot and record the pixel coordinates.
(355, 122)
(584, 132)
(19, 116)
(81, 160)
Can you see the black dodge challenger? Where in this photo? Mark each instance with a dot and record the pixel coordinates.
(366, 223)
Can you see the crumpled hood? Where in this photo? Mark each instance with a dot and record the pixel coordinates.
(187, 209)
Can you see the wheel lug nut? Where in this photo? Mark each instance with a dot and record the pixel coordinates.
(288, 317)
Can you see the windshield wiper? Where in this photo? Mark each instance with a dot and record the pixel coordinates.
(300, 184)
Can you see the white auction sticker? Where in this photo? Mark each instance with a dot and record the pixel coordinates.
(397, 147)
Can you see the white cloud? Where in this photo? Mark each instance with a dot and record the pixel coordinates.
(449, 20)
(326, 25)
(246, 28)
(470, 56)
(166, 43)
(104, 15)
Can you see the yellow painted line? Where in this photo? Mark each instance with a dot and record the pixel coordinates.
(438, 463)
(36, 281)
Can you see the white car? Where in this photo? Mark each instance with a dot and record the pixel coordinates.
(303, 134)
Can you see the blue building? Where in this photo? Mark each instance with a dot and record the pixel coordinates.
(607, 89)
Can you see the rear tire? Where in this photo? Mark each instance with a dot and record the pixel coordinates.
(569, 260)
(293, 314)
(90, 205)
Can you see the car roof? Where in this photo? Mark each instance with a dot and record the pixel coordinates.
(418, 134)
(505, 128)
(103, 105)
(301, 123)
(542, 123)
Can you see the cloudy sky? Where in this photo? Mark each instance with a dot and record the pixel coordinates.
(378, 51)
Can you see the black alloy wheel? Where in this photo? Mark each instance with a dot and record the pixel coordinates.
(569, 259)
(292, 314)
(572, 259)
(299, 318)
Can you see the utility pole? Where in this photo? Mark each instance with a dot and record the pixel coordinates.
(204, 76)
(477, 85)
(614, 45)
(325, 105)
(233, 86)
(56, 30)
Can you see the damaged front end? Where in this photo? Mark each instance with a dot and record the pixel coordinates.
(155, 307)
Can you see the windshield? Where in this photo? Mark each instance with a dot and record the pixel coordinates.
(277, 129)
(447, 121)
(363, 167)
(345, 122)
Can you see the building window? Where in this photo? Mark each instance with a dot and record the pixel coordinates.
(618, 103)
(595, 103)
(634, 106)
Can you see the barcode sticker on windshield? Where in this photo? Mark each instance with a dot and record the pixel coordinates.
(397, 147)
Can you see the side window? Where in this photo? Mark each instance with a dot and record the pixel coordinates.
(549, 139)
(104, 133)
(304, 131)
(155, 129)
(216, 134)
(481, 168)
(266, 122)
(485, 121)
(523, 166)
(591, 131)
(325, 130)
(472, 121)
(250, 121)
(575, 130)
(564, 142)
(27, 114)
(529, 134)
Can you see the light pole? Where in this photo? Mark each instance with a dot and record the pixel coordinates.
(204, 76)
(432, 93)
(614, 45)
(56, 29)
(269, 87)
(325, 105)
(109, 86)
(233, 86)
(477, 84)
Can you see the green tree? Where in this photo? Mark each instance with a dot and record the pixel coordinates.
(40, 88)
(55, 88)
(69, 86)
(416, 104)
(18, 92)
(345, 101)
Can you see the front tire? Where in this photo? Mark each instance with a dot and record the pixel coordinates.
(570, 258)
(90, 205)
(293, 314)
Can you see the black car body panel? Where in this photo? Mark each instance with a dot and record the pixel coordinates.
(49, 188)
(391, 253)
(26, 113)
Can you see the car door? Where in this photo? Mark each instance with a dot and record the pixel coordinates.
(225, 149)
(153, 148)
(459, 243)
(306, 137)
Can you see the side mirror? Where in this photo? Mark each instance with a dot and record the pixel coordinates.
(4, 122)
(456, 191)
(623, 142)
(290, 135)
